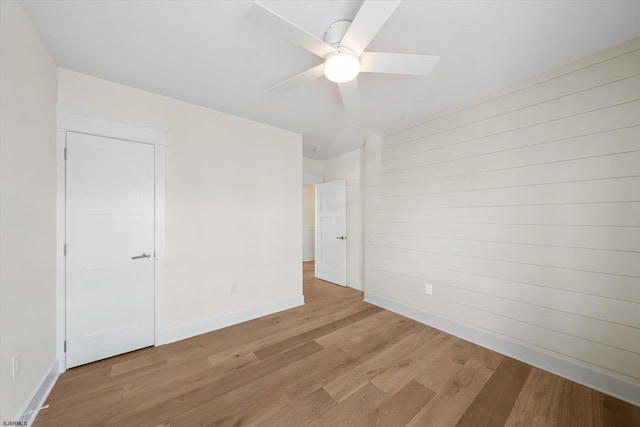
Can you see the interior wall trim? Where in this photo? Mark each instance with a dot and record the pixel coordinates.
(182, 332)
(355, 285)
(83, 121)
(40, 394)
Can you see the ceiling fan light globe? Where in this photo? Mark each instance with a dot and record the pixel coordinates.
(341, 67)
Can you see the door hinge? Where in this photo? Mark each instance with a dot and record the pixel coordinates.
(65, 153)
(65, 346)
(65, 249)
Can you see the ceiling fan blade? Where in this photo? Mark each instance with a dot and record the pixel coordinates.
(350, 94)
(303, 77)
(397, 63)
(368, 21)
(289, 30)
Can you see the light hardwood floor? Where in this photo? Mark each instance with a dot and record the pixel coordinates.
(335, 361)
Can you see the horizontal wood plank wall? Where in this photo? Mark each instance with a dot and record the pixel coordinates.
(523, 210)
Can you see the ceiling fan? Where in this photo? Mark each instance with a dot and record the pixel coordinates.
(342, 49)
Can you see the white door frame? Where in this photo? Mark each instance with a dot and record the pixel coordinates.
(81, 121)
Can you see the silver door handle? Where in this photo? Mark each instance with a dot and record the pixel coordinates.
(144, 255)
(342, 238)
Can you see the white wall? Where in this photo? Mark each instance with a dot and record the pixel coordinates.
(522, 208)
(27, 210)
(347, 167)
(312, 166)
(233, 198)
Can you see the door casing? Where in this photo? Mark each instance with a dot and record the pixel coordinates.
(71, 119)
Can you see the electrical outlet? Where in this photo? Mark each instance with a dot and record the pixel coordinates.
(234, 288)
(16, 365)
(428, 288)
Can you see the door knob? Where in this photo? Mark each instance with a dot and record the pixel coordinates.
(144, 255)
(342, 238)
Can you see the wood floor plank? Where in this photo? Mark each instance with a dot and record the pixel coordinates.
(236, 360)
(537, 404)
(297, 340)
(303, 411)
(383, 368)
(400, 408)
(575, 406)
(450, 404)
(329, 364)
(356, 329)
(406, 368)
(445, 362)
(174, 381)
(147, 364)
(356, 378)
(495, 401)
(352, 410)
(616, 413)
(231, 411)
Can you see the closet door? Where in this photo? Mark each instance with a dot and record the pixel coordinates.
(331, 230)
(109, 235)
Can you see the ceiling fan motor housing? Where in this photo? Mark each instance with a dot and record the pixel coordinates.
(334, 34)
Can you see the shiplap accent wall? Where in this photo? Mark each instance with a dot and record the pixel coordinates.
(523, 210)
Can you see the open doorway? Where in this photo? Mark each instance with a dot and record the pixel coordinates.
(308, 222)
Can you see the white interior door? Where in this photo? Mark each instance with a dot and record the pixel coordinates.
(331, 232)
(109, 265)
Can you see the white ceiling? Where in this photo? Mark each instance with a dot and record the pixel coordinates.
(211, 54)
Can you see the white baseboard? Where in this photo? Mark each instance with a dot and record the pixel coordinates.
(355, 285)
(308, 258)
(40, 394)
(191, 330)
(554, 363)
